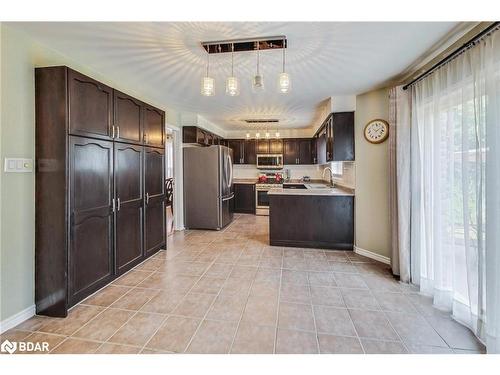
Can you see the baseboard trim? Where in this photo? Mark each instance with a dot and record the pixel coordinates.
(372, 255)
(17, 319)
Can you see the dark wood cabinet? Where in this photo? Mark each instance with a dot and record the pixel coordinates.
(291, 151)
(329, 224)
(238, 147)
(305, 151)
(297, 151)
(154, 126)
(154, 189)
(244, 198)
(93, 217)
(194, 134)
(342, 135)
(335, 138)
(90, 106)
(250, 154)
(275, 146)
(262, 146)
(127, 118)
(129, 205)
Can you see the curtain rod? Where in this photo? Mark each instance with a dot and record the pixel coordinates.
(458, 51)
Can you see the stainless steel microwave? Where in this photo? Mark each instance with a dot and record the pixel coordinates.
(270, 161)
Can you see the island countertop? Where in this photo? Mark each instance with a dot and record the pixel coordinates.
(312, 189)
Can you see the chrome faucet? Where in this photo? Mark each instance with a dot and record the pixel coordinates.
(331, 176)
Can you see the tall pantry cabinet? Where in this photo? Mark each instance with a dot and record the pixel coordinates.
(99, 186)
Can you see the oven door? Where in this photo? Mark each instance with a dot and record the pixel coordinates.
(266, 161)
(261, 201)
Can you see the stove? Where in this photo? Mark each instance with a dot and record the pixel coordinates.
(267, 181)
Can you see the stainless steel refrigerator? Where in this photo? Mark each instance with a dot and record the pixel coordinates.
(208, 187)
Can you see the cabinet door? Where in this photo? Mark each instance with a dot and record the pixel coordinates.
(128, 118)
(154, 189)
(244, 198)
(154, 122)
(250, 154)
(305, 152)
(343, 136)
(129, 206)
(91, 217)
(275, 146)
(262, 146)
(291, 151)
(237, 145)
(314, 150)
(329, 139)
(321, 146)
(90, 107)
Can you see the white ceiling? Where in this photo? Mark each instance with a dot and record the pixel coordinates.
(167, 61)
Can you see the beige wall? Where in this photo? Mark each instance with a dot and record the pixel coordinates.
(19, 56)
(372, 177)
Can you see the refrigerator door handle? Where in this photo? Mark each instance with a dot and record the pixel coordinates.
(230, 163)
(228, 198)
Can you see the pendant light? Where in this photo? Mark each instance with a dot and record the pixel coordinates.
(258, 79)
(277, 134)
(232, 84)
(207, 82)
(284, 83)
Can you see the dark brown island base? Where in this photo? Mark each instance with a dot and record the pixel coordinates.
(313, 218)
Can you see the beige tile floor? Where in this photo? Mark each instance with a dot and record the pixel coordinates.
(229, 292)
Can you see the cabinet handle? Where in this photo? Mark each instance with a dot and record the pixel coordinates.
(113, 132)
(147, 198)
(113, 205)
(118, 203)
(117, 132)
(145, 138)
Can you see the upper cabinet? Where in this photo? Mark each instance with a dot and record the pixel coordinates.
(238, 147)
(335, 138)
(194, 134)
(275, 146)
(90, 107)
(298, 151)
(262, 146)
(98, 111)
(250, 154)
(154, 121)
(128, 118)
(342, 137)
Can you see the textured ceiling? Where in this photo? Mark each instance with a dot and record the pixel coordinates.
(167, 61)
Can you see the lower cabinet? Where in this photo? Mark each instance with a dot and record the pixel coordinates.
(154, 225)
(244, 198)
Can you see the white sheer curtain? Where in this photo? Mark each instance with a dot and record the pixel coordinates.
(399, 158)
(455, 186)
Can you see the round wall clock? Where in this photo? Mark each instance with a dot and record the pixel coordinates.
(377, 131)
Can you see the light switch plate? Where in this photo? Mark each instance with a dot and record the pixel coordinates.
(18, 165)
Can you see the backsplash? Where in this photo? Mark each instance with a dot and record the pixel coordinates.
(296, 171)
(348, 177)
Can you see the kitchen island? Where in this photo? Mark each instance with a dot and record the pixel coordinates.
(314, 216)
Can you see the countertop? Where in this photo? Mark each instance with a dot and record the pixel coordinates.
(312, 189)
(291, 181)
(250, 181)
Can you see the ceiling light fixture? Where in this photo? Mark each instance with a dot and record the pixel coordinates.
(207, 82)
(277, 134)
(257, 135)
(284, 83)
(232, 84)
(258, 79)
